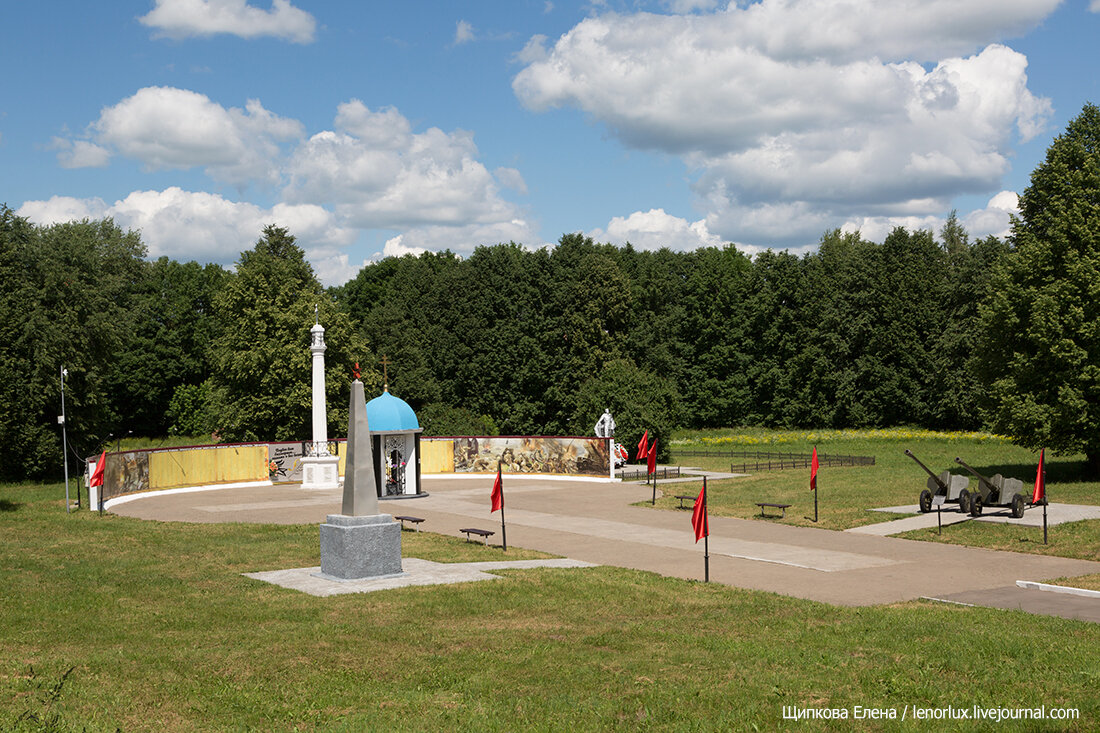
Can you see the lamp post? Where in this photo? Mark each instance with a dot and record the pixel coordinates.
(64, 438)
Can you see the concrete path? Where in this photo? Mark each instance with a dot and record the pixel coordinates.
(597, 523)
(1033, 517)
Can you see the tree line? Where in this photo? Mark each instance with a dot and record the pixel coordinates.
(924, 328)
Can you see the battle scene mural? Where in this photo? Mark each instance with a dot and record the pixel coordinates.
(568, 456)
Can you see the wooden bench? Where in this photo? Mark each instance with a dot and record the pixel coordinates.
(686, 497)
(781, 507)
(483, 533)
(415, 521)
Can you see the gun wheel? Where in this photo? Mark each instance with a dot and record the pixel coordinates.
(1017, 506)
(925, 501)
(965, 501)
(976, 506)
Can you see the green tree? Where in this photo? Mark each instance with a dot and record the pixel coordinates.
(261, 363)
(66, 301)
(638, 400)
(1039, 354)
(168, 346)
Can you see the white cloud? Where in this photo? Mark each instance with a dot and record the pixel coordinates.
(1094, 6)
(187, 18)
(461, 239)
(165, 127)
(797, 115)
(58, 209)
(464, 32)
(378, 174)
(995, 218)
(395, 248)
(689, 6)
(188, 225)
(81, 154)
(655, 229)
(511, 178)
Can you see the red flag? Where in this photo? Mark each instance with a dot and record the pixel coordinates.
(699, 514)
(813, 471)
(97, 474)
(498, 493)
(643, 449)
(653, 457)
(1040, 492)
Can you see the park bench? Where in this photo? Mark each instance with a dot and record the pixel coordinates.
(415, 521)
(483, 533)
(781, 507)
(685, 497)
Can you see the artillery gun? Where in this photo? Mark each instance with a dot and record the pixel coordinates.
(996, 491)
(953, 488)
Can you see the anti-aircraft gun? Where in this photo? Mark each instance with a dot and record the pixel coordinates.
(996, 491)
(947, 485)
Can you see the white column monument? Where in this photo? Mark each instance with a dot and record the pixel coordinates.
(320, 469)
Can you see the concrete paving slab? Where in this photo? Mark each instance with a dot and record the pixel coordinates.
(415, 572)
(1033, 517)
(1015, 598)
(598, 523)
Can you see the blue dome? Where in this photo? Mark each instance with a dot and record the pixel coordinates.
(387, 413)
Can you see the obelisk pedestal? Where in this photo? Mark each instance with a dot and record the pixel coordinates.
(359, 542)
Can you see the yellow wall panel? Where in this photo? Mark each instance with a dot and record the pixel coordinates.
(437, 456)
(229, 464)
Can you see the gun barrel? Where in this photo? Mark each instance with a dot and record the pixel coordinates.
(980, 477)
(942, 485)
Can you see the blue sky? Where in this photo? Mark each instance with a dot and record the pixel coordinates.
(373, 129)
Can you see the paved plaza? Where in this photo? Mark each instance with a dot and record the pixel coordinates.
(598, 523)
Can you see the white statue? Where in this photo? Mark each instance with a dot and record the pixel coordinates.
(605, 426)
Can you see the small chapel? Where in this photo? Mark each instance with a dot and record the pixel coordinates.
(395, 443)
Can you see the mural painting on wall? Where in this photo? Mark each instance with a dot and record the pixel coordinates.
(284, 461)
(570, 456)
(126, 473)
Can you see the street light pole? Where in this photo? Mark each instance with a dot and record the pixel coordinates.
(64, 438)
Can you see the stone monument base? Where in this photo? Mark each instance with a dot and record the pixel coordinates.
(321, 472)
(360, 547)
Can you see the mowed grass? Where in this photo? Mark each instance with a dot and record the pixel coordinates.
(847, 494)
(111, 622)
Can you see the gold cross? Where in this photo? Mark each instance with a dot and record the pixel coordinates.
(385, 373)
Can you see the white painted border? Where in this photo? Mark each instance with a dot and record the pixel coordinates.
(1032, 585)
(183, 490)
(521, 476)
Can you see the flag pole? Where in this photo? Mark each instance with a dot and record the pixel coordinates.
(1045, 502)
(503, 528)
(706, 538)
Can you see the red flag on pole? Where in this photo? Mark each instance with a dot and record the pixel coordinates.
(653, 457)
(643, 449)
(1040, 492)
(813, 471)
(498, 493)
(699, 514)
(97, 474)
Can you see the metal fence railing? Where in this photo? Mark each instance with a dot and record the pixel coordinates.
(641, 473)
(753, 461)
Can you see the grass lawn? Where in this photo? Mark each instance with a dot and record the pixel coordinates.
(845, 495)
(111, 622)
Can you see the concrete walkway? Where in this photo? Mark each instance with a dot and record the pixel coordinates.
(597, 523)
(1033, 517)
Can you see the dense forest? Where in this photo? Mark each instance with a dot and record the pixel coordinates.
(505, 341)
(924, 328)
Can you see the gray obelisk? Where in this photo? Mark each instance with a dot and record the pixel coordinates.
(359, 542)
